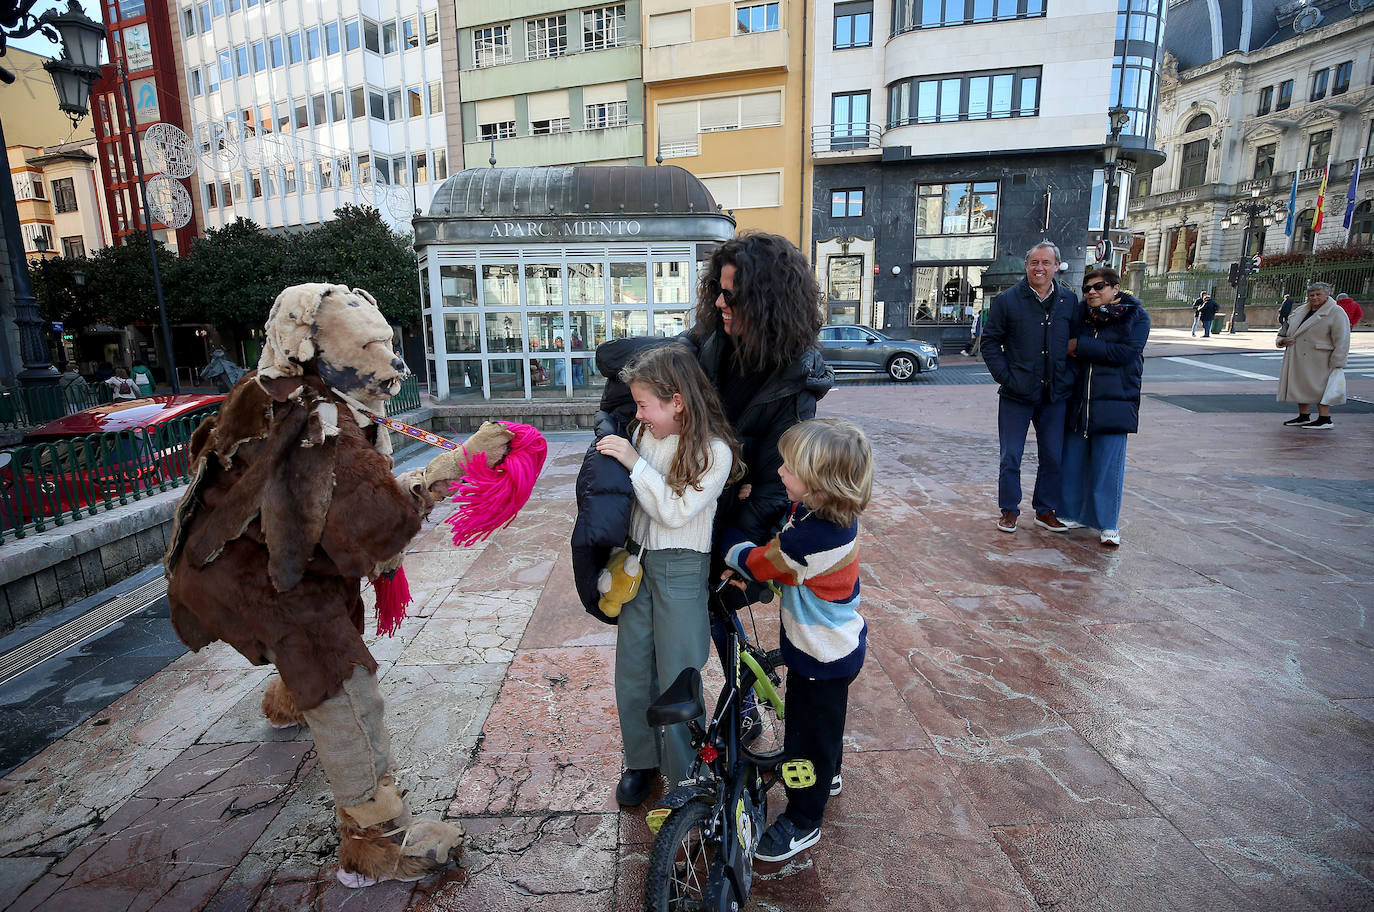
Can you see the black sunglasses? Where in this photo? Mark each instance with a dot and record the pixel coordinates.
(1095, 286)
(718, 292)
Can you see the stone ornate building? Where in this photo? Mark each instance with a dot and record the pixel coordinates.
(1254, 93)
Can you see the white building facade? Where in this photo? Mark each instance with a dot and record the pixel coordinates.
(309, 106)
(1241, 127)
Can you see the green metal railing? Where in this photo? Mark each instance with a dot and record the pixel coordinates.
(49, 484)
(407, 400)
(1268, 286)
(22, 407)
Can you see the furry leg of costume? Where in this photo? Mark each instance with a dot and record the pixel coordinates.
(379, 841)
(279, 706)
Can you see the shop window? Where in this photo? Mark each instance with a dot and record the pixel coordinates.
(544, 285)
(629, 285)
(672, 284)
(586, 285)
(844, 280)
(504, 332)
(458, 287)
(500, 285)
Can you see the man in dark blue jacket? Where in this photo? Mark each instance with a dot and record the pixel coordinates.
(1025, 346)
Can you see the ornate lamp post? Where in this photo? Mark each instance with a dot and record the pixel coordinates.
(73, 74)
(1111, 155)
(1253, 214)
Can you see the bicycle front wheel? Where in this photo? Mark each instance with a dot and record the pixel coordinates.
(680, 863)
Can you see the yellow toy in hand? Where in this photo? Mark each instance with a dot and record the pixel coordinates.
(619, 582)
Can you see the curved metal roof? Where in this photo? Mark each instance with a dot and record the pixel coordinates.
(568, 191)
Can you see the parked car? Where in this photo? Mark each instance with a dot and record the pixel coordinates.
(858, 348)
(100, 453)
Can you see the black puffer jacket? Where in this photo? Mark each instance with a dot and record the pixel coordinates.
(1026, 346)
(1111, 362)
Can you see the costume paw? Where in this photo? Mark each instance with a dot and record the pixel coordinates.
(279, 706)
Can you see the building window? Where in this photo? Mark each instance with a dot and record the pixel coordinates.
(436, 98)
(312, 43)
(277, 52)
(1320, 80)
(205, 16)
(331, 38)
(746, 191)
(337, 111)
(357, 102)
(1194, 164)
(670, 28)
(293, 47)
(259, 56)
(194, 82)
(241, 60)
(372, 36)
(1285, 95)
(1319, 149)
(376, 105)
(389, 38)
(64, 195)
(603, 27)
(431, 24)
(847, 203)
(680, 123)
(606, 114)
(393, 105)
(848, 121)
(981, 96)
(1341, 85)
(1266, 101)
(491, 46)
(1362, 226)
(410, 32)
(502, 130)
(415, 102)
(352, 35)
(853, 25)
(74, 248)
(1264, 160)
(552, 125)
(844, 282)
(1199, 122)
(188, 21)
(956, 221)
(756, 17)
(1306, 238)
(547, 37)
(921, 14)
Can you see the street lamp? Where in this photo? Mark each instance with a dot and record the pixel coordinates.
(73, 75)
(1253, 214)
(1111, 155)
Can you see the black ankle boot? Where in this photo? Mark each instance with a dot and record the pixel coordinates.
(634, 786)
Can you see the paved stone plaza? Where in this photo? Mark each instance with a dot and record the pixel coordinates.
(1186, 723)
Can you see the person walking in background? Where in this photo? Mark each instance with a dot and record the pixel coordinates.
(680, 454)
(1026, 347)
(1285, 308)
(1109, 348)
(1197, 311)
(1315, 349)
(73, 387)
(125, 390)
(143, 376)
(1207, 309)
(1353, 311)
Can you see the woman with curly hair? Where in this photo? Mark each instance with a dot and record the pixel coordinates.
(758, 314)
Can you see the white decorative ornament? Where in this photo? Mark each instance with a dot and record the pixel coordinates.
(168, 150)
(217, 148)
(1308, 19)
(397, 201)
(168, 201)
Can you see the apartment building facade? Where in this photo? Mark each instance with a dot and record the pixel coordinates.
(948, 135)
(725, 98)
(550, 84)
(1246, 112)
(300, 108)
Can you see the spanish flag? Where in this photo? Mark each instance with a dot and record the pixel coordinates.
(1321, 201)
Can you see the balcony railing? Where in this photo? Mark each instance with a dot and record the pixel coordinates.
(846, 137)
(1262, 184)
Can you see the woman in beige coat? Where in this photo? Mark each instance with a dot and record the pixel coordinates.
(1315, 343)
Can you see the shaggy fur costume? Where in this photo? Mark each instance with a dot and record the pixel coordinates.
(292, 503)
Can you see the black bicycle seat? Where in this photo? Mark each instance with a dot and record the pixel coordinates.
(681, 702)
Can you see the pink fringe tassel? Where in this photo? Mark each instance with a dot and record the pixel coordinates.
(393, 595)
(488, 498)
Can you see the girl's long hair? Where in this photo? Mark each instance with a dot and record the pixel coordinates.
(670, 369)
(778, 309)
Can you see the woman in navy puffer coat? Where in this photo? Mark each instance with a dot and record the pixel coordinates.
(1108, 351)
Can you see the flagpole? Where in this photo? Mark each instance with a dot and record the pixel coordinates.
(1351, 194)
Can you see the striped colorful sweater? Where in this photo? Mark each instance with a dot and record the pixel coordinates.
(816, 563)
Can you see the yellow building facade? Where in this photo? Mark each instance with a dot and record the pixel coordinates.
(725, 98)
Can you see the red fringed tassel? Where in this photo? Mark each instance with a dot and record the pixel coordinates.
(393, 595)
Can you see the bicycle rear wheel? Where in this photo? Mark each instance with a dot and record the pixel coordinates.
(680, 863)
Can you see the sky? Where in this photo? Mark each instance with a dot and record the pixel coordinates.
(36, 43)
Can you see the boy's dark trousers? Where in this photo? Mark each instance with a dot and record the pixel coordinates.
(815, 732)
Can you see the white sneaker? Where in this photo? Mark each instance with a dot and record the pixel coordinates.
(836, 784)
(1111, 537)
(1070, 524)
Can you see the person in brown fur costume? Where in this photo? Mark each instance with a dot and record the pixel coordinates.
(292, 503)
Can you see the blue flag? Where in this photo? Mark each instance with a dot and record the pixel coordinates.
(1350, 196)
(1292, 207)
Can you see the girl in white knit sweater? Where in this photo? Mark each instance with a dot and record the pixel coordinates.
(682, 456)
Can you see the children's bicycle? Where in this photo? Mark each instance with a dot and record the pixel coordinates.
(707, 828)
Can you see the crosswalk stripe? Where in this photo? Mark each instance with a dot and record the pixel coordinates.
(1219, 368)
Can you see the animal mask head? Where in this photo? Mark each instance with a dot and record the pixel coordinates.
(341, 331)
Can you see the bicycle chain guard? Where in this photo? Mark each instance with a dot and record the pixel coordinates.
(798, 774)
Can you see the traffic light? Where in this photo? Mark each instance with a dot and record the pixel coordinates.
(1235, 274)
